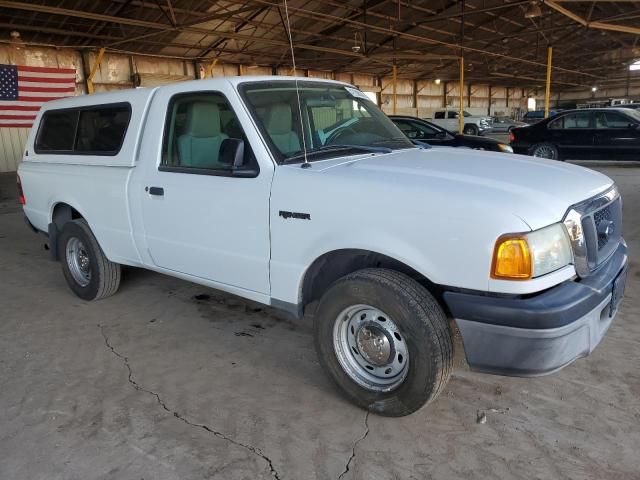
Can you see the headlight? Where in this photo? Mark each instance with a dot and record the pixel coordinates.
(530, 255)
(505, 148)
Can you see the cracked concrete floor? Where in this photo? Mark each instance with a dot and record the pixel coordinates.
(170, 380)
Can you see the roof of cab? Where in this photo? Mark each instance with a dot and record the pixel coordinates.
(142, 94)
(276, 78)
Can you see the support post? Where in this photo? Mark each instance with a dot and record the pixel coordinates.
(547, 93)
(444, 94)
(93, 71)
(209, 72)
(395, 85)
(461, 92)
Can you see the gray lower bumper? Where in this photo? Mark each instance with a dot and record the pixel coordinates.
(539, 334)
(531, 352)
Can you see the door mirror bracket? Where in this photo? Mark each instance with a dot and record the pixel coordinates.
(232, 154)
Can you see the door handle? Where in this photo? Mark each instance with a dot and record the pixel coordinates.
(155, 191)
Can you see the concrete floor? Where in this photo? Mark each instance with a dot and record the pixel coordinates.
(170, 380)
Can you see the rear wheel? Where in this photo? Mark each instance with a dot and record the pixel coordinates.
(544, 150)
(384, 340)
(89, 273)
(470, 130)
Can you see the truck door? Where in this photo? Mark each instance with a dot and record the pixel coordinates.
(453, 125)
(199, 218)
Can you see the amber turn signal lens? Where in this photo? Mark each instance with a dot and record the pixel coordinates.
(511, 259)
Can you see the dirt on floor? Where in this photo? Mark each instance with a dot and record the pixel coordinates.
(170, 380)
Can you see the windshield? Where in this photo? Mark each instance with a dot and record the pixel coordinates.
(332, 119)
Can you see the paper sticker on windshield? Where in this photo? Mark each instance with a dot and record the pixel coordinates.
(356, 93)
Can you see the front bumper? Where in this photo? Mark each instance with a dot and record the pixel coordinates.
(540, 334)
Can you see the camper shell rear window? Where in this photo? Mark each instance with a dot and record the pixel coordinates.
(90, 130)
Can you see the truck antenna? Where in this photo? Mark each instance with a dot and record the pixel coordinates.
(306, 163)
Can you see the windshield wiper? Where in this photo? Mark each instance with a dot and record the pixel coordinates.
(336, 148)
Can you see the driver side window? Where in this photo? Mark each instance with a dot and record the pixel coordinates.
(426, 132)
(409, 129)
(198, 128)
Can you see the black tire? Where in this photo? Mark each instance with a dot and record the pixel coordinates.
(105, 274)
(470, 130)
(545, 150)
(422, 323)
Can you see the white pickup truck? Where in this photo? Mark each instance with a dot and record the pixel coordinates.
(471, 125)
(301, 194)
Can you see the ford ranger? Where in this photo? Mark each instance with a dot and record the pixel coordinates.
(301, 194)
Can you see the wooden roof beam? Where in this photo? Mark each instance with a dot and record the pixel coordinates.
(583, 21)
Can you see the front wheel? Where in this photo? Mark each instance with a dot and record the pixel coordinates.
(544, 150)
(89, 273)
(384, 340)
(470, 130)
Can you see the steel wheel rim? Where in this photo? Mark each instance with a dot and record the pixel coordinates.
(544, 152)
(370, 348)
(78, 261)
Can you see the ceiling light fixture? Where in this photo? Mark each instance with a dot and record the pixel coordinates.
(437, 81)
(533, 10)
(356, 44)
(16, 40)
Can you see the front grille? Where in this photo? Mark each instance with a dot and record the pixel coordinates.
(607, 230)
(600, 220)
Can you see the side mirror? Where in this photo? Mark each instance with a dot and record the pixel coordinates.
(232, 152)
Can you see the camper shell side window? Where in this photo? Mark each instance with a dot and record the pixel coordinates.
(90, 130)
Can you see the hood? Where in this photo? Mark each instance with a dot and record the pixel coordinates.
(536, 190)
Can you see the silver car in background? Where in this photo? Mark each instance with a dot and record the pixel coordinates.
(505, 124)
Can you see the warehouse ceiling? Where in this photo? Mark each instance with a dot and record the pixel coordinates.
(503, 41)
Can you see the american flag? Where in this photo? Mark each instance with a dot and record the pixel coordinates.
(23, 90)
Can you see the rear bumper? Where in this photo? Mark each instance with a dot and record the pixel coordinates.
(520, 149)
(541, 334)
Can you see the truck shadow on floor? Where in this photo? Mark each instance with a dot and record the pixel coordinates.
(219, 307)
